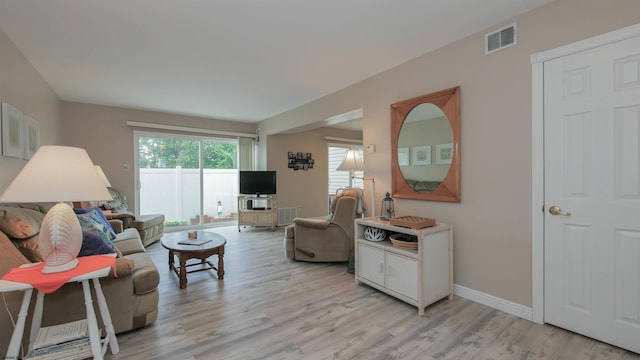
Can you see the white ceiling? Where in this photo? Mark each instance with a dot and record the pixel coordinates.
(241, 60)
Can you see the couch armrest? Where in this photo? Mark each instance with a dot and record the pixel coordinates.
(147, 221)
(311, 223)
(116, 225)
(124, 267)
(126, 219)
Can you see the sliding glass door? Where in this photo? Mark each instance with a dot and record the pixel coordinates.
(192, 180)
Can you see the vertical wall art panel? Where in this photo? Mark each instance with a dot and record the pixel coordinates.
(31, 136)
(12, 139)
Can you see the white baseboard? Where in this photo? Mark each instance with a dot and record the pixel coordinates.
(494, 302)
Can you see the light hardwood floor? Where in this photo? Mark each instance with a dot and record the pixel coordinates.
(269, 307)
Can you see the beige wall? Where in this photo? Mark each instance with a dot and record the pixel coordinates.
(23, 87)
(492, 223)
(103, 132)
(305, 190)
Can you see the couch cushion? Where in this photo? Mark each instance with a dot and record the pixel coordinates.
(128, 242)
(42, 207)
(18, 223)
(145, 274)
(22, 226)
(11, 257)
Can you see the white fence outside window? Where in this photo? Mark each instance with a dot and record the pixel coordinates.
(171, 192)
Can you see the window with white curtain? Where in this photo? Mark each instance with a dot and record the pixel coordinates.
(342, 179)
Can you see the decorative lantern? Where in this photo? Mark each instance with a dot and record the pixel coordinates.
(387, 211)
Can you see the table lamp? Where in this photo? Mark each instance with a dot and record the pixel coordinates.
(353, 162)
(102, 176)
(94, 203)
(58, 174)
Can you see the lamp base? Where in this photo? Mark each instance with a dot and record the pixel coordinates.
(49, 269)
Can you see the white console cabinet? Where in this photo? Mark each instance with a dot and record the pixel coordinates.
(257, 211)
(419, 277)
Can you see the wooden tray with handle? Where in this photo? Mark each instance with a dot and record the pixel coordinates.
(412, 222)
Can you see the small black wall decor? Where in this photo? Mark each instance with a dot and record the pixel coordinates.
(300, 161)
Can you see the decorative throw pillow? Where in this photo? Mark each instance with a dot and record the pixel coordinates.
(93, 219)
(96, 209)
(19, 223)
(22, 226)
(93, 244)
(118, 204)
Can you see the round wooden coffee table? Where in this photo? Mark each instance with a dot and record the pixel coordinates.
(205, 245)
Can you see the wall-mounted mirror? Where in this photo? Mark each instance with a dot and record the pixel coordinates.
(425, 147)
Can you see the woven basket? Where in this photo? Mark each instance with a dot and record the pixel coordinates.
(404, 241)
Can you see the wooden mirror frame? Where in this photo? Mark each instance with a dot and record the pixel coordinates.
(449, 189)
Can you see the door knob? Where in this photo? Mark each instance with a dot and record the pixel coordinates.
(555, 210)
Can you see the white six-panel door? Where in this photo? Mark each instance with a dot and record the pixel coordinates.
(592, 176)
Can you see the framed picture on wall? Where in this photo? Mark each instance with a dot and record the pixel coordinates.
(422, 155)
(444, 153)
(12, 138)
(31, 136)
(403, 156)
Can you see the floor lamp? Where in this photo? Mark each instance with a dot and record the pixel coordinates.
(353, 162)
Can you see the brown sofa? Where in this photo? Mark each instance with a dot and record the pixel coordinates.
(132, 295)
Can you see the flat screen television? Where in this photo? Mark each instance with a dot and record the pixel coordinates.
(257, 182)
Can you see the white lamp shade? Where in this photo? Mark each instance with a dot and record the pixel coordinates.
(352, 161)
(102, 176)
(58, 174)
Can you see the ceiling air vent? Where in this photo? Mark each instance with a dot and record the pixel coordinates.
(500, 39)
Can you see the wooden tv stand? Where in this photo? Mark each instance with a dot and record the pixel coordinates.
(257, 211)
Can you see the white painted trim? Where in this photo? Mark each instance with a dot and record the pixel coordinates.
(188, 129)
(340, 118)
(537, 149)
(494, 302)
(537, 193)
(594, 42)
(341, 139)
